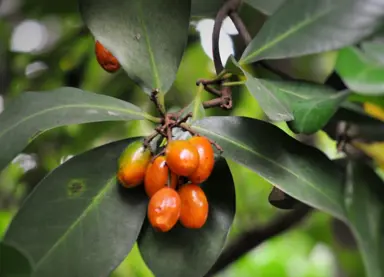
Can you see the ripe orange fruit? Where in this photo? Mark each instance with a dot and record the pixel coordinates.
(206, 159)
(182, 157)
(164, 209)
(105, 58)
(133, 164)
(157, 175)
(194, 206)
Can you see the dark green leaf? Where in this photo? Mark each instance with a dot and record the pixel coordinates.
(364, 205)
(301, 171)
(210, 8)
(375, 50)
(301, 27)
(267, 7)
(276, 108)
(79, 221)
(359, 124)
(312, 105)
(147, 37)
(203, 8)
(185, 252)
(33, 113)
(13, 263)
(281, 200)
(361, 73)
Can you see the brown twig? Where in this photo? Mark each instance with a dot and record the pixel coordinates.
(187, 128)
(155, 100)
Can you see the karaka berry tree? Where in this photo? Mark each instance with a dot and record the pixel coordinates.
(172, 192)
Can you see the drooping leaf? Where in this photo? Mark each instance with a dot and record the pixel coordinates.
(302, 27)
(312, 105)
(297, 169)
(79, 221)
(147, 37)
(13, 263)
(362, 74)
(365, 212)
(276, 108)
(35, 112)
(185, 252)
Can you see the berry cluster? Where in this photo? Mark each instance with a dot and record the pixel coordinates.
(171, 181)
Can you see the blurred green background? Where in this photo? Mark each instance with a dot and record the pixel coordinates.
(44, 45)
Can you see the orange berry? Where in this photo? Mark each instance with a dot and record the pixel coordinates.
(164, 209)
(105, 58)
(133, 164)
(206, 159)
(157, 175)
(194, 206)
(182, 157)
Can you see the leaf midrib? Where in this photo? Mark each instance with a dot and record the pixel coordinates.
(268, 160)
(96, 200)
(126, 111)
(286, 34)
(152, 59)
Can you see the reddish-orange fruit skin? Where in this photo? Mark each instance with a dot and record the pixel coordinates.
(133, 164)
(105, 58)
(194, 206)
(164, 209)
(157, 175)
(182, 157)
(206, 159)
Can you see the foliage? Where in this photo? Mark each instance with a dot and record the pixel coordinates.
(79, 221)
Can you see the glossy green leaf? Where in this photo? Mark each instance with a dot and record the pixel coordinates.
(302, 27)
(365, 213)
(147, 37)
(301, 171)
(35, 112)
(276, 108)
(375, 50)
(185, 252)
(79, 221)
(312, 105)
(361, 73)
(13, 263)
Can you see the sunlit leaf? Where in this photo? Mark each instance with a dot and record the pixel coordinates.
(35, 112)
(374, 50)
(147, 37)
(302, 27)
(361, 73)
(79, 221)
(185, 252)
